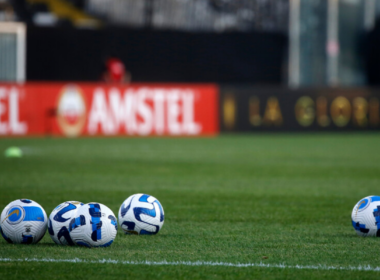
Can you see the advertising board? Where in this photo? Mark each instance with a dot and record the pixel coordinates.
(247, 108)
(76, 109)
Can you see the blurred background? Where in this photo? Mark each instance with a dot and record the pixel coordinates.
(251, 50)
(306, 70)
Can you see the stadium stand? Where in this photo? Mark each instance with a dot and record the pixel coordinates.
(53, 12)
(161, 40)
(197, 15)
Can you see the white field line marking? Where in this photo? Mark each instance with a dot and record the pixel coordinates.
(197, 263)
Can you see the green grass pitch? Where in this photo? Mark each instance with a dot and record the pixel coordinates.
(268, 199)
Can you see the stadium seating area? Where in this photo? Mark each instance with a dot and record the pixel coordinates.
(198, 15)
(54, 13)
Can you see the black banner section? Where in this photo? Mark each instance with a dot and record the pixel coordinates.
(247, 108)
(64, 54)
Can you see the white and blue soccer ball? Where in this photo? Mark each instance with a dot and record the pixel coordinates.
(141, 214)
(93, 225)
(59, 220)
(366, 216)
(23, 221)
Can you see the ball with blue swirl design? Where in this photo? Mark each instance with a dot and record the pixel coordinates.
(59, 220)
(93, 225)
(141, 214)
(23, 221)
(365, 216)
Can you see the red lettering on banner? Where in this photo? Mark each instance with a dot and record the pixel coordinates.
(100, 109)
(122, 109)
(173, 112)
(3, 110)
(159, 112)
(143, 111)
(189, 126)
(99, 114)
(9, 103)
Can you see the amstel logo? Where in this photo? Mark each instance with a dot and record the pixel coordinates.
(15, 215)
(71, 113)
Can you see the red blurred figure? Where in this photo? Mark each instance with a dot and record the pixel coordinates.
(116, 72)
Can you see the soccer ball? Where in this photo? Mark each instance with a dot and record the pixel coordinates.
(93, 225)
(366, 216)
(59, 221)
(141, 214)
(23, 221)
